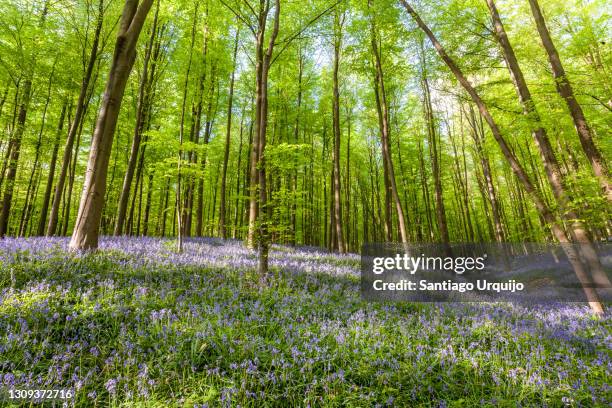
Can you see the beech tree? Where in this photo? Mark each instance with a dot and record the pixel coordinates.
(76, 124)
(337, 207)
(230, 102)
(27, 71)
(382, 108)
(566, 91)
(144, 96)
(547, 214)
(86, 230)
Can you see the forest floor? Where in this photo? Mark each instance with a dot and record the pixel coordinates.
(136, 324)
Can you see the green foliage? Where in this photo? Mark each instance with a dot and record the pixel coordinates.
(54, 53)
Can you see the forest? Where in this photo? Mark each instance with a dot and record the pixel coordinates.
(182, 142)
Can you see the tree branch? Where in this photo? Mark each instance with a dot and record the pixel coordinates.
(240, 17)
(287, 41)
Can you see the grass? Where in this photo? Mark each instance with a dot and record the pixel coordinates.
(133, 329)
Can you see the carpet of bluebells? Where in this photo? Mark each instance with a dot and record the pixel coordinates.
(136, 324)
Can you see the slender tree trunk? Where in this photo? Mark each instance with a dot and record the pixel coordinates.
(29, 218)
(165, 208)
(543, 209)
(138, 219)
(10, 131)
(375, 194)
(258, 208)
(435, 157)
(463, 178)
(200, 200)
(85, 235)
(254, 158)
(14, 148)
(145, 223)
(190, 181)
(213, 210)
(263, 215)
(461, 191)
(76, 123)
(4, 96)
(63, 231)
(566, 91)
(383, 118)
(13, 160)
(210, 118)
(35, 166)
(337, 207)
(179, 210)
(49, 187)
(222, 210)
(296, 139)
(238, 202)
(333, 243)
(478, 136)
(555, 177)
(347, 190)
(138, 185)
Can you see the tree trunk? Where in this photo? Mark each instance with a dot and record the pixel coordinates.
(543, 209)
(350, 232)
(222, 210)
(435, 157)
(296, 139)
(35, 166)
(179, 210)
(164, 215)
(138, 185)
(337, 207)
(29, 222)
(556, 178)
(145, 223)
(85, 234)
(254, 158)
(49, 187)
(14, 148)
(566, 91)
(10, 130)
(76, 124)
(383, 118)
(141, 109)
(237, 222)
(63, 231)
(263, 216)
(4, 96)
(13, 160)
(478, 136)
(200, 200)
(210, 117)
